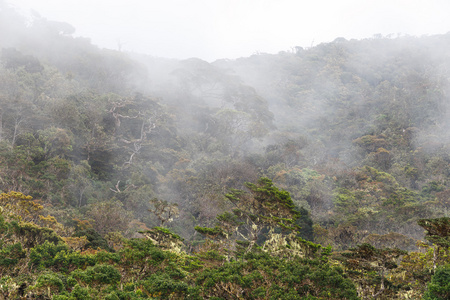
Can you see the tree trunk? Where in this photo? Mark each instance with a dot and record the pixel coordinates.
(17, 122)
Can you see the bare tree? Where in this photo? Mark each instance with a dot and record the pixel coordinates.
(147, 125)
(146, 128)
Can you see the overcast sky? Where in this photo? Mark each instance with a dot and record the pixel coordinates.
(213, 29)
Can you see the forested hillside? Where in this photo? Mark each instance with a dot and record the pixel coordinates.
(320, 173)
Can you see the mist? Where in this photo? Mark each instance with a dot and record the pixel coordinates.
(325, 120)
(251, 149)
(233, 29)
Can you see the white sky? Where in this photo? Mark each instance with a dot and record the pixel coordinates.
(213, 29)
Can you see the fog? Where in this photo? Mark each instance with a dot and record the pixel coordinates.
(124, 103)
(230, 29)
(198, 139)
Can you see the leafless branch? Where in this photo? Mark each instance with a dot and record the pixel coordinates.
(117, 190)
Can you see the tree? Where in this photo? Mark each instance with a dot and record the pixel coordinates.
(306, 225)
(443, 201)
(19, 206)
(369, 267)
(80, 182)
(164, 211)
(437, 231)
(56, 141)
(439, 287)
(14, 59)
(109, 216)
(417, 268)
(134, 121)
(266, 215)
(262, 276)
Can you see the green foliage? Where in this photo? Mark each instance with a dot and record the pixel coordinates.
(164, 238)
(163, 286)
(264, 276)
(96, 241)
(439, 287)
(211, 233)
(371, 143)
(50, 281)
(108, 216)
(376, 203)
(44, 256)
(369, 267)
(32, 235)
(167, 232)
(359, 145)
(62, 259)
(138, 250)
(164, 211)
(10, 255)
(256, 217)
(305, 224)
(80, 293)
(437, 231)
(97, 275)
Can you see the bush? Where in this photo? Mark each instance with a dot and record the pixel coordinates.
(99, 274)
